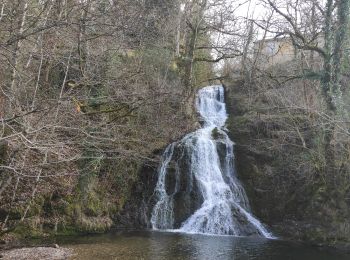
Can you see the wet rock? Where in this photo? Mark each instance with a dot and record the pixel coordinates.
(182, 186)
(185, 204)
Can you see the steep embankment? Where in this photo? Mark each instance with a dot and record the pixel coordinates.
(281, 169)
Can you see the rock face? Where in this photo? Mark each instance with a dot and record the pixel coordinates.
(284, 181)
(136, 211)
(179, 181)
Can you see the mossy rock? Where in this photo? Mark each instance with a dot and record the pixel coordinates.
(29, 228)
(216, 134)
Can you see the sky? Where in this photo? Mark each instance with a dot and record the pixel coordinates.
(254, 8)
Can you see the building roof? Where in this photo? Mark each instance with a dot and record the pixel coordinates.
(275, 39)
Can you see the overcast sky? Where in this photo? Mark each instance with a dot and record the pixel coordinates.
(254, 8)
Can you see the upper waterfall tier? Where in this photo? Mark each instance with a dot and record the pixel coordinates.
(211, 106)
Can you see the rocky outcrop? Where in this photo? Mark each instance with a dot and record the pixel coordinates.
(138, 209)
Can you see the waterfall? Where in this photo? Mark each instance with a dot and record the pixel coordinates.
(197, 189)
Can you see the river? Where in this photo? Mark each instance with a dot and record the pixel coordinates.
(169, 245)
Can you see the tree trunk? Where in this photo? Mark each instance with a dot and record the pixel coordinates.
(178, 33)
(14, 79)
(332, 72)
(190, 56)
(339, 45)
(82, 45)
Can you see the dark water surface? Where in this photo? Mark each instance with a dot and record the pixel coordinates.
(163, 245)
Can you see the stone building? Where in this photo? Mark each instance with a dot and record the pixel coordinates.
(275, 51)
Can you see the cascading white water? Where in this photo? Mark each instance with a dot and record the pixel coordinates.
(197, 190)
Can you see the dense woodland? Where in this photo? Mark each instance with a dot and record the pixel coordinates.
(93, 90)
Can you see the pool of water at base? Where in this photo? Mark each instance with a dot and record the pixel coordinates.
(169, 245)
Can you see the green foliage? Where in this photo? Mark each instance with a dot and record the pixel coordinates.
(3, 151)
(312, 75)
(203, 71)
(157, 60)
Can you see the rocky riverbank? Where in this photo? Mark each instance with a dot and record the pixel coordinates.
(37, 253)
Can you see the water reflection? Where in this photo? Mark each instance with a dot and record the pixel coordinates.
(162, 245)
